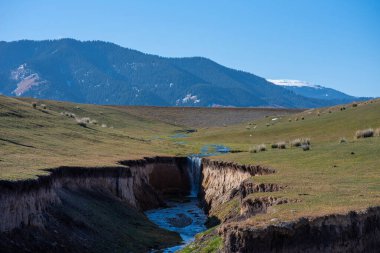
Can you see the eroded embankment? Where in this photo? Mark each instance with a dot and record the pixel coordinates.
(223, 182)
(92, 203)
(352, 232)
(137, 182)
(76, 209)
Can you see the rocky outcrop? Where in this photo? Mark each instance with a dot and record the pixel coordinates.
(220, 179)
(352, 232)
(137, 182)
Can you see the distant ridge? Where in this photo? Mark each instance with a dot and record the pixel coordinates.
(104, 73)
(309, 90)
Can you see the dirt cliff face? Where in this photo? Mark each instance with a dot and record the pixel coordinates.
(140, 183)
(353, 232)
(221, 179)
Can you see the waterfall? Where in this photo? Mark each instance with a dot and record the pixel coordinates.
(194, 165)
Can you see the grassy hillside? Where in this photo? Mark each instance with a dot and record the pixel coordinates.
(338, 174)
(33, 139)
(334, 176)
(204, 116)
(49, 135)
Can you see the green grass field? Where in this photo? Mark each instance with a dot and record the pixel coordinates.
(36, 139)
(33, 139)
(331, 177)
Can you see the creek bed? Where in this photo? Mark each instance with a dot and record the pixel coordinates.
(185, 218)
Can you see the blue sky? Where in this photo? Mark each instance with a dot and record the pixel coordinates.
(335, 43)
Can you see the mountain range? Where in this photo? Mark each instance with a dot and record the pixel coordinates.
(104, 73)
(309, 90)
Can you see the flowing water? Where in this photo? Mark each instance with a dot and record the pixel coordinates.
(186, 218)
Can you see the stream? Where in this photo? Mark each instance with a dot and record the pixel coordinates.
(186, 218)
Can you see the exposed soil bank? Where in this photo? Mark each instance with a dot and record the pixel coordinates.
(95, 209)
(353, 232)
(221, 179)
(137, 184)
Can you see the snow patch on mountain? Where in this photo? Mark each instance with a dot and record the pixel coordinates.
(26, 79)
(294, 83)
(189, 98)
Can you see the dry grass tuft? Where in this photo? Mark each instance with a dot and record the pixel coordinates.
(69, 114)
(342, 140)
(258, 148)
(82, 121)
(366, 133)
(280, 145)
(299, 142)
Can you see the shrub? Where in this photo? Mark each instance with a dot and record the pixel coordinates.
(86, 120)
(82, 121)
(280, 145)
(34, 105)
(252, 150)
(82, 124)
(261, 147)
(364, 133)
(299, 142)
(69, 114)
(342, 140)
(258, 148)
(354, 105)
